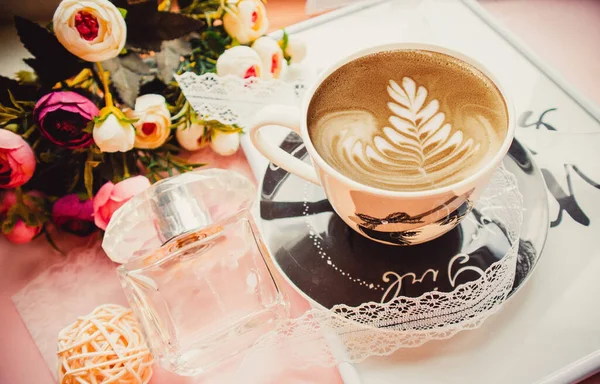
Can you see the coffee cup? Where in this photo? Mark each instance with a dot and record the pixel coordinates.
(409, 176)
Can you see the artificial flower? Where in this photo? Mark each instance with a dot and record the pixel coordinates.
(225, 143)
(93, 30)
(114, 134)
(246, 20)
(191, 137)
(22, 233)
(63, 117)
(17, 161)
(153, 126)
(239, 61)
(74, 215)
(271, 56)
(8, 198)
(111, 197)
(295, 50)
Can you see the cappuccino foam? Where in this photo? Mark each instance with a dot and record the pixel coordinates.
(407, 120)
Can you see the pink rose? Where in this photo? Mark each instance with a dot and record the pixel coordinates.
(62, 118)
(17, 161)
(111, 197)
(73, 215)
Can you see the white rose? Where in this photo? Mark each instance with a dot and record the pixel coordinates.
(240, 61)
(296, 50)
(154, 121)
(93, 30)
(225, 143)
(114, 135)
(191, 138)
(246, 21)
(271, 56)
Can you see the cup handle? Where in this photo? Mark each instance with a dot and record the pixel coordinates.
(286, 117)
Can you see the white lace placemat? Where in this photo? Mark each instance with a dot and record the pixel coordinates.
(232, 100)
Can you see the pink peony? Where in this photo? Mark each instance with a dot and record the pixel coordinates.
(111, 197)
(73, 215)
(63, 116)
(17, 161)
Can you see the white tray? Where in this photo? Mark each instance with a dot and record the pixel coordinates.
(549, 332)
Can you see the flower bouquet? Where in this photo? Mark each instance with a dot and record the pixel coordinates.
(99, 117)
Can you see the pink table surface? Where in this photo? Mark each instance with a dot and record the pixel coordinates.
(565, 33)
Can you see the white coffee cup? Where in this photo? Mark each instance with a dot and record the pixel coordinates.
(391, 217)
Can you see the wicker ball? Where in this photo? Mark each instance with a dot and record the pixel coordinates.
(104, 346)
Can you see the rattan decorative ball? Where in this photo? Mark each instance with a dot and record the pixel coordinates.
(105, 346)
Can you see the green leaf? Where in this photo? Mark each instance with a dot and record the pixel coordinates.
(89, 128)
(123, 12)
(168, 59)
(52, 62)
(125, 80)
(285, 40)
(9, 223)
(88, 177)
(147, 27)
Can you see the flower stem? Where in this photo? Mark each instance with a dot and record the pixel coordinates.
(104, 77)
(19, 193)
(126, 174)
(28, 132)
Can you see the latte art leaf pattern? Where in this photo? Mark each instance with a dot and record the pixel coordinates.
(419, 137)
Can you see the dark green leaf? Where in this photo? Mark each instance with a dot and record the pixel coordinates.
(52, 63)
(168, 59)
(147, 27)
(9, 223)
(125, 81)
(19, 91)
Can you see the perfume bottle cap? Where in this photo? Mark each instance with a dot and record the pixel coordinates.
(177, 211)
(173, 207)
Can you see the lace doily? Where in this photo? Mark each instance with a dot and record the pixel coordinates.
(375, 329)
(231, 100)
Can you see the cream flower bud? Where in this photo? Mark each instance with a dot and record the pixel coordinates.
(114, 135)
(271, 56)
(246, 20)
(93, 30)
(154, 121)
(191, 138)
(240, 61)
(296, 49)
(225, 143)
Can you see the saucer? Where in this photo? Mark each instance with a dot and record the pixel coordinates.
(331, 264)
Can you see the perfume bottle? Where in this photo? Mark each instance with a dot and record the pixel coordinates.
(194, 269)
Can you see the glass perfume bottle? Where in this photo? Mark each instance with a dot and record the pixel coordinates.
(194, 269)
